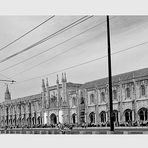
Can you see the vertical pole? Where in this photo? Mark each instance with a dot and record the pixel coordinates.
(110, 76)
(20, 115)
(30, 114)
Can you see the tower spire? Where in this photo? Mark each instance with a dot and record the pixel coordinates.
(57, 79)
(47, 84)
(62, 77)
(7, 94)
(65, 77)
(43, 85)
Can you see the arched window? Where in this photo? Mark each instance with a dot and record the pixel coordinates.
(28, 121)
(82, 100)
(103, 116)
(102, 97)
(143, 114)
(128, 93)
(92, 98)
(74, 101)
(92, 117)
(39, 120)
(142, 90)
(53, 119)
(74, 118)
(114, 94)
(128, 115)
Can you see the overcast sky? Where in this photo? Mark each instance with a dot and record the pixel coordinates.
(126, 31)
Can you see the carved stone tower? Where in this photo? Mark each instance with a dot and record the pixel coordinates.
(7, 94)
(43, 94)
(65, 104)
(64, 90)
(58, 93)
(47, 94)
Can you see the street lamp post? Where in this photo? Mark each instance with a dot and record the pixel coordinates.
(110, 76)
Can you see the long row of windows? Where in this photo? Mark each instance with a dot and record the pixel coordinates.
(102, 96)
(141, 93)
(92, 98)
(114, 93)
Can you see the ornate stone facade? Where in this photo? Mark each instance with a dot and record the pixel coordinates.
(77, 103)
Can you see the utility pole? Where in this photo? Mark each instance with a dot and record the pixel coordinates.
(110, 77)
(30, 114)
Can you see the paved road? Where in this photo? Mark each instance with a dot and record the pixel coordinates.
(88, 130)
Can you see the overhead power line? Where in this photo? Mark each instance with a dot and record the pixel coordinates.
(27, 33)
(53, 46)
(48, 37)
(44, 61)
(84, 63)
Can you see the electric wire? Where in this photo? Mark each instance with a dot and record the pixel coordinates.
(27, 33)
(30, 68)
(48, 37)
(83, 63)
(53, 46)
(59, 53)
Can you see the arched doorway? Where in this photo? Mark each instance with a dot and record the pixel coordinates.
(22, 121)
(39, 120)
(18, 122)
(74, 118)
(143, 114)
(92, 117)
(128, 115)
(2, 123)
(28, 121)
(82, 110)
(53, 119)
(10, 119)
(33, 120)
(103, 116)
(14, 121)
(115, 116)
(9, 122)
